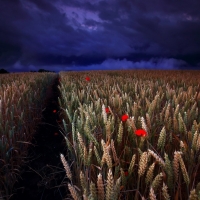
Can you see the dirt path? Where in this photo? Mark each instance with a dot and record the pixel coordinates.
(43, 174)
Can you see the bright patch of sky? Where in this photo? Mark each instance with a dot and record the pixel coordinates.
(189, 17)
(77, 18)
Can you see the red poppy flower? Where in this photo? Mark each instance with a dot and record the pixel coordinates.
(125, 173)
(107, 110)
(87, 78)
(141, 132)
(54, 111)
(124, 117)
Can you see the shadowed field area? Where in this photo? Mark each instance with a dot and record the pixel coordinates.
(43, 175)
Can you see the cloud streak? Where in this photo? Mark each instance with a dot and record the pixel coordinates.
(152, 64)
(110, 64)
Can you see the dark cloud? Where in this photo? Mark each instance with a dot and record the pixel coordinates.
(86, 33)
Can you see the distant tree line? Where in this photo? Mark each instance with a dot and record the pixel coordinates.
(3, 71)
(43, 70)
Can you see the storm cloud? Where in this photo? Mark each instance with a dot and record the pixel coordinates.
(67, 34)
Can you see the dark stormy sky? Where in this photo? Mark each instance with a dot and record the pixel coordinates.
(99, 34)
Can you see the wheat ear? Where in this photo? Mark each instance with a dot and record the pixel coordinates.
(83, 181)
(156, 181)
(162, 138)
(143, 163)
(158, 159)
(114, 152)
(120, 133)
(149, 176)
(176, 164)
(109, 186)
(152, 195)
(130, 169)
(73, 192)
(93, 190)
(165, 192)
(193, 195)
(183, 169)
(100, 188)
(117, 189)
(66, 166)
(169, 171)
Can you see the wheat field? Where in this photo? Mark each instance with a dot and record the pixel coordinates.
(131, 134)
(21, 99)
